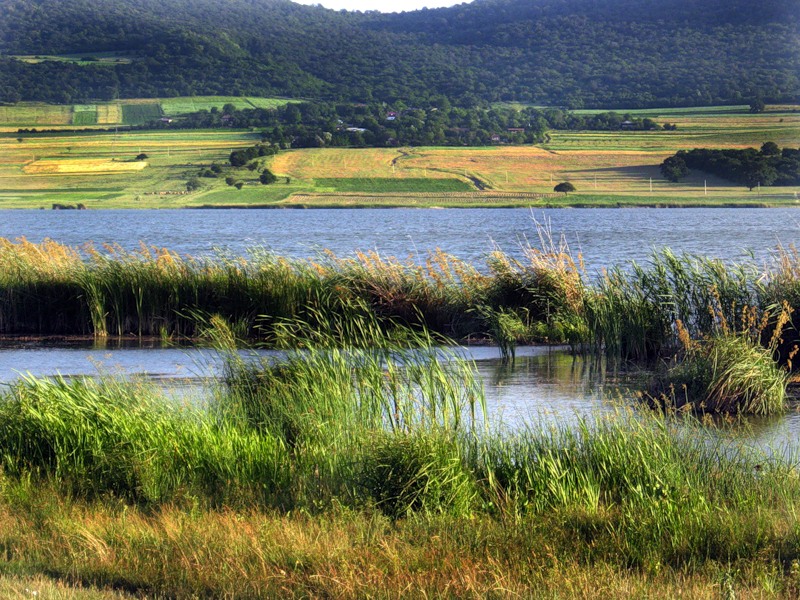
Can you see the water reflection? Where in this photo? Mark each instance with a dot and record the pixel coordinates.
(544, 386)
(552, 385)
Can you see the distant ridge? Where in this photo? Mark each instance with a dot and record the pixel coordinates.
(575, 53)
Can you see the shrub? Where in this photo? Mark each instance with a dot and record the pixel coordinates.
(725, 373)
(422, 472)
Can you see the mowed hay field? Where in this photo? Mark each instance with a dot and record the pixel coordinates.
(81, 166)
(29, 114)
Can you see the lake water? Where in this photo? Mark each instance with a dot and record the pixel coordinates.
(604, 236)
(543, 385)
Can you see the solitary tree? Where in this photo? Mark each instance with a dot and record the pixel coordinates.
(565, 187)
(141, 156)
(267, 177)
(757, 105)
(193, 184)
(770, 149)
(674, 169)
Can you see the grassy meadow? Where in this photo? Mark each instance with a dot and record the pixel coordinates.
(615, 168)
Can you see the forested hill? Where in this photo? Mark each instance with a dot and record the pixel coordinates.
(576, 53)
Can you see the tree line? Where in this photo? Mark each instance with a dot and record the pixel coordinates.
(770, 165)
(320, 124)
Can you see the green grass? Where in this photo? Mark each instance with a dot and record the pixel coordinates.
(266, 102)
(174, 157)
(134, 112)
(137, 114)
(709, 110)
(251, 195)
(388, 185)
(84, 114)
(184, 105)
(34, 114)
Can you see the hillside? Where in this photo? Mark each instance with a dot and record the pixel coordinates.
(577, 53)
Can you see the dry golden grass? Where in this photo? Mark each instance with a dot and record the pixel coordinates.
(109, 114)
(504, 168)
(40, 587)
(187, 554)
(81, 166)
(348, 162)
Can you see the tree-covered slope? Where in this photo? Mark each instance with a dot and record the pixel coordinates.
(574, 52)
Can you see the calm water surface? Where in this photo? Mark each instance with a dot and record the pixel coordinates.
(603, 236)
(544, 386)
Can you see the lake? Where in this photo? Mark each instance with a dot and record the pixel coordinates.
(603, 236)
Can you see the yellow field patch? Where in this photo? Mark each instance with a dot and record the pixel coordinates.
(109, 114)
(35, 114)
(503, 168)
(81, 167)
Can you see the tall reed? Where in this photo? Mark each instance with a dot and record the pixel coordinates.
(336, 390)
(99, 437)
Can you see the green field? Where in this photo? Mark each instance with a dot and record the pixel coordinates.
(181, 106)
(84, 114)
(253, 194)
(34, 114)
(137, 114)
(84, 59)
(608, 168)
(99, 168)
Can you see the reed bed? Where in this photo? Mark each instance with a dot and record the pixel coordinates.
(359, 462)
(543, 295)
(724, 374)
(52, 289)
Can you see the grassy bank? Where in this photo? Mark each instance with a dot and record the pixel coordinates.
(364, 470)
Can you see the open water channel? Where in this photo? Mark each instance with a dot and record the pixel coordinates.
(543, 386)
